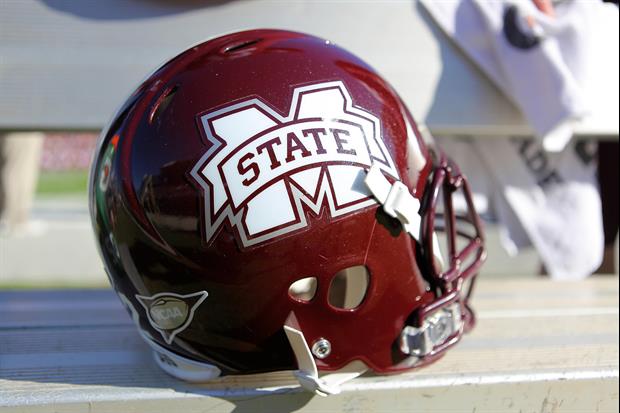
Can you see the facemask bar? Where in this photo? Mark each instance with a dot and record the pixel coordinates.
(455, 283)
(439, 324)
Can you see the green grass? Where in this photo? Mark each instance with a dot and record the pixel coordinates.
(62, 182)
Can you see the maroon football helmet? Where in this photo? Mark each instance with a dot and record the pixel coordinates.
(264, 201)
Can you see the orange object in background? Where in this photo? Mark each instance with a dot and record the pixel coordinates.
(546, 6)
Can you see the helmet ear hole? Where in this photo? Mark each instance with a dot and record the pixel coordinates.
(348, 288)
(303, 289)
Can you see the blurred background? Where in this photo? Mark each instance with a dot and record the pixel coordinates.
(66, 65)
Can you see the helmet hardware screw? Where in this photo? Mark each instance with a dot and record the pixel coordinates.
(321, 348)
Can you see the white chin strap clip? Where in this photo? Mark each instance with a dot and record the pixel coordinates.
(396, 200)
(398, 203)
(308, 375)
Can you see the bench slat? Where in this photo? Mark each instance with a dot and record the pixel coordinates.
(538, 345)
(69, 64)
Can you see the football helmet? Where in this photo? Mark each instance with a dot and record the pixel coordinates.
(264, 201)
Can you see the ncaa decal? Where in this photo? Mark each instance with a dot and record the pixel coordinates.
(171, 313)
(263, 170)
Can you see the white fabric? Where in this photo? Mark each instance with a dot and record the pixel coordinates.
(551, 83)
(548, 200)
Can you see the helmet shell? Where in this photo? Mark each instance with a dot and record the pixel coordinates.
(152, 210)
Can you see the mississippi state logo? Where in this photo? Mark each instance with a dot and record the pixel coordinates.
(263, 171)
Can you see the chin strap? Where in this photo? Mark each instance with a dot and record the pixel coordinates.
(308, 375)
(398, 203)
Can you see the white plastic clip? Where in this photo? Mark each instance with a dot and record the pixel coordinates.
(308, 374)
(396, 199)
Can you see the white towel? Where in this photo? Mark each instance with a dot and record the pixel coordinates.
(544, 64)
(543, 192)
(545, 199)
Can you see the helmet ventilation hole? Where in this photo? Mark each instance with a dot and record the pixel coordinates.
(303, 290)
(349, 287)
(235, 47)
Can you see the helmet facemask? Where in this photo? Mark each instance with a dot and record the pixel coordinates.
(452, 252)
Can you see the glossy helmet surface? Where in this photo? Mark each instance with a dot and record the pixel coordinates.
(243, 165)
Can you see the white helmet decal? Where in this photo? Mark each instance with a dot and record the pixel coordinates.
(262, 167)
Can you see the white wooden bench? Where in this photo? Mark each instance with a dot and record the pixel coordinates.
(539, 346)
(68, 64)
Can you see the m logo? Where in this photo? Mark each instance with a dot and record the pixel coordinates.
(171, 313)
(262, 168)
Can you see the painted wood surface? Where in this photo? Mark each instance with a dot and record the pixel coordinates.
(69, 64)
(539, 346)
